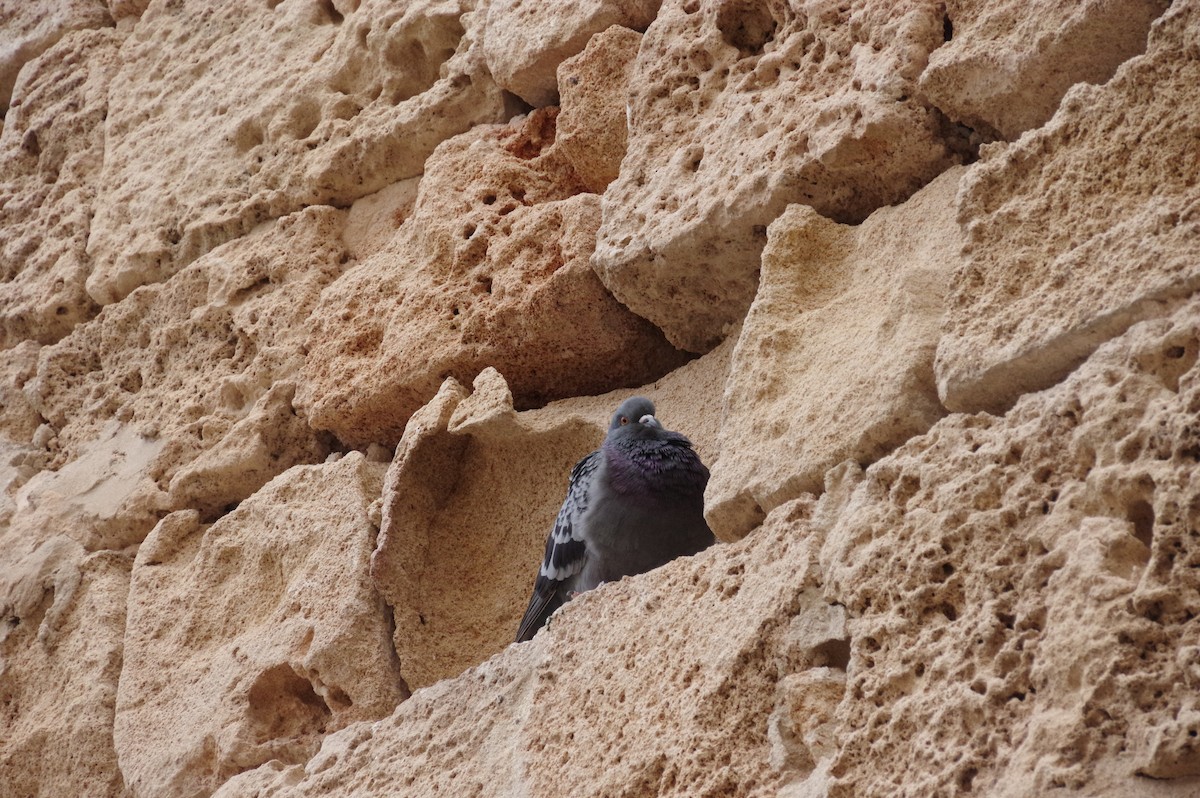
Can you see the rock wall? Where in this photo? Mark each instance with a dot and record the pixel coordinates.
(308, 307)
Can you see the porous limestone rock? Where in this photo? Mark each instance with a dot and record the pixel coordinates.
(250, 639)
(105, 498)
(51, 152)
(525, 41)
(736, 110)
(205, 365)
(1070, 237)
(31, 28)
(18, 420)
(1006, 65)
(835, 358)
(62, 621)
(491, 269)
(657, 685)
(592, 131)
(1022, 590)
(474, 490)
(299, 103)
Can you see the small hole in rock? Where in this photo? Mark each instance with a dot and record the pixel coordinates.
(1141, 515)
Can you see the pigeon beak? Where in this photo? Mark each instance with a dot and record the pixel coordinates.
(650, 421)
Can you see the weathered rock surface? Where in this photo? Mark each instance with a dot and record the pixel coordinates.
(472, 494)
(52, 151)
(1070, 238)
(251, 638)
(835, 358)
(737, 110)
(491, 269)
(1042, 637)
(205, 364)
(237, 242)
(32, 28)
(1023, 592)
(592, 132)
(1007, 65)
(583, 709)
(345, 99)
(62, 621)
(525, 41)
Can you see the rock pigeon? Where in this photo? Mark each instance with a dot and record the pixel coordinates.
(634, 504)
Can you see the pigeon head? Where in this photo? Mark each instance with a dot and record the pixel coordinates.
(635, 419)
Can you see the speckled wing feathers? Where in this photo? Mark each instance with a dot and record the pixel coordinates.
(565, 550)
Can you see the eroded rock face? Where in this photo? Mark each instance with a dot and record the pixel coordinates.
(835, 359)
(250, 639)
(1070, 239)
(62, 623)
(1006, 66)
(468, 461)
(592, 132)
(615, 655)
(238, 242)
(52, 150)
(204, 367)
(32, 28)
(525, 41)
(345, 99)
(491, 269)
(1022, 590)
(738, 109)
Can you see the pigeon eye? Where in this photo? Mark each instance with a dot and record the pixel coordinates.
(624, 420)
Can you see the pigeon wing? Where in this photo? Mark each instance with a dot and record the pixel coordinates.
(565, 550)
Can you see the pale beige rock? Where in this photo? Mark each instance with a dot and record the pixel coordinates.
(103, 499)
(373, 220)
(472, 494)
(33, 26)
(491, 269)
(524, 41)
(1072, 239)
(657, 685)
(18, 420)
(62, 618)
(1022, 592)
(835, 359)
(123, 9)
(1007, 65)
(205, 365)
(261, 109)
(51, 153)
(251, 639)
(594, 85)
(737, 110)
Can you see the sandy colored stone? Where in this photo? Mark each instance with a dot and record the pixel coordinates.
(18, 420)
(471, 495)
(835, 358)
(105, 498)
(51, 154)
(373, 220)
(737, 110)
(266, 108)
(62, 619)
(1071, 237)
(205, 365)
(594, 86)
(491, 269)
(33, 26)
(250, 639)
(657, 685)
(525, 41)
(1006, 66)
(1023, 592)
